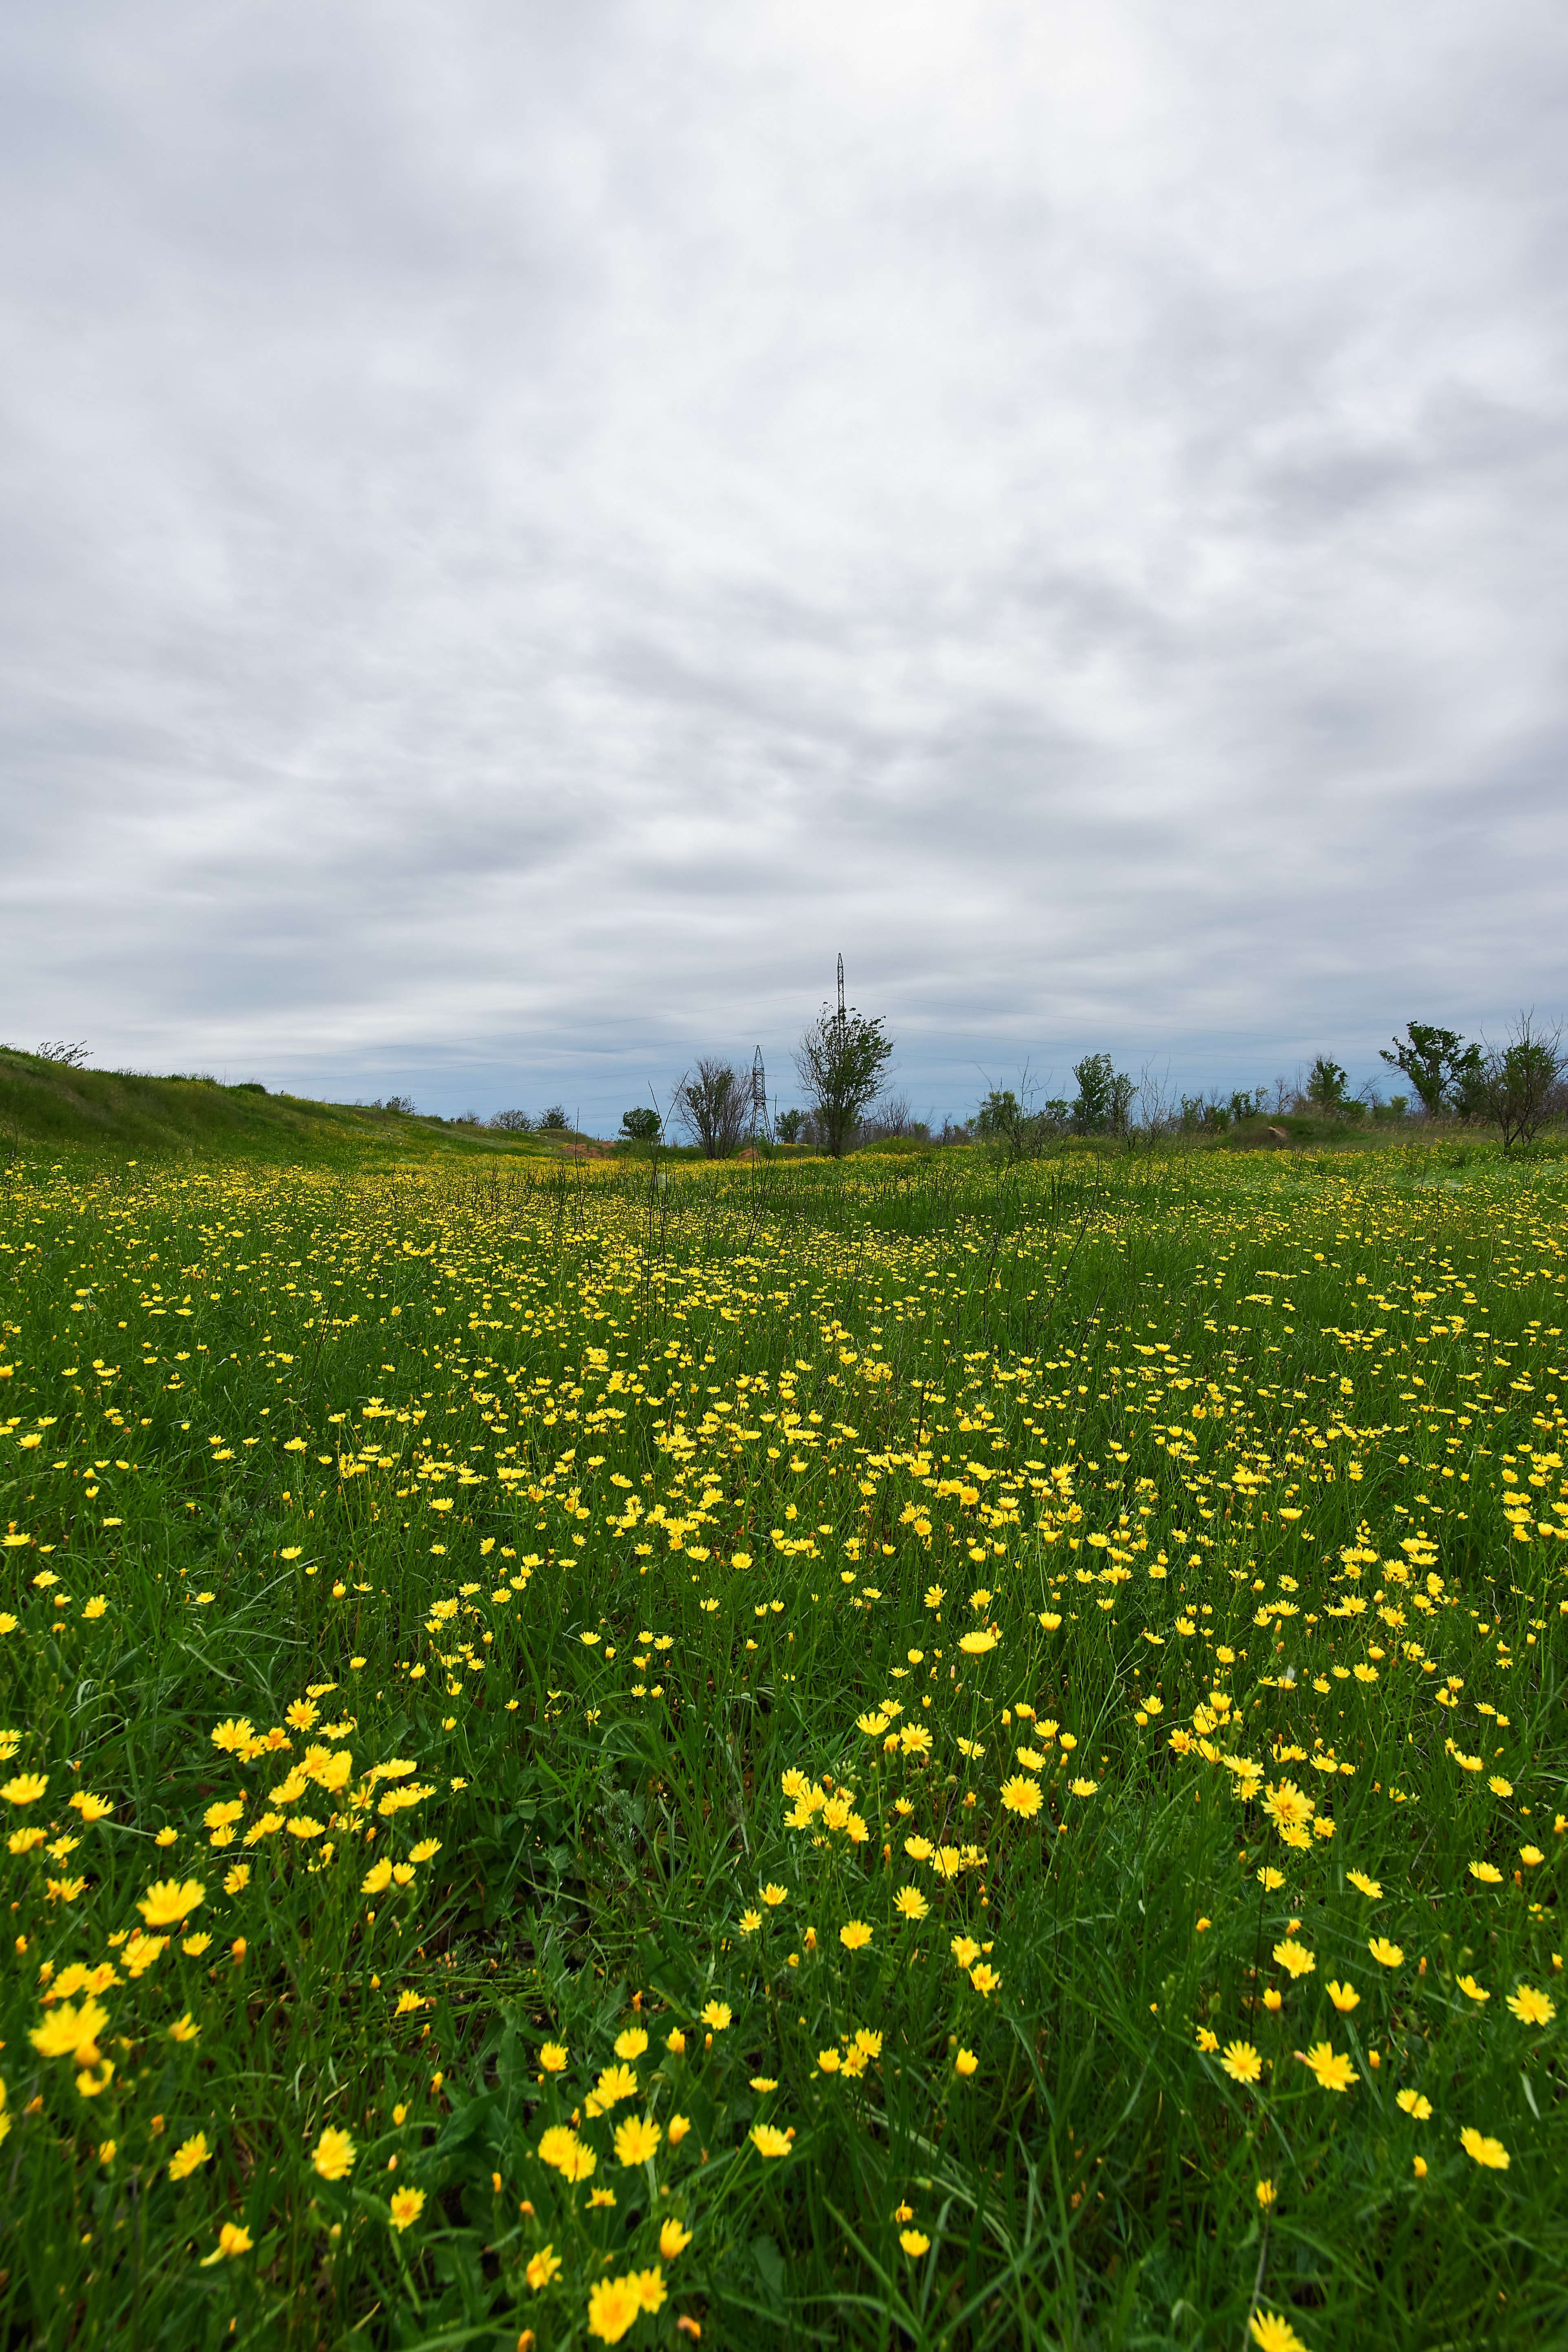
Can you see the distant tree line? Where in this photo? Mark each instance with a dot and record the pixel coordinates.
(841, 1066)
(841, 1059)
(553, 1121)
(1515, 1086)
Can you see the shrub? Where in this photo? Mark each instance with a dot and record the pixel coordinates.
(1011, 1131)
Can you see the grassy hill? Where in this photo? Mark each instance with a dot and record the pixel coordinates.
(46, 1103)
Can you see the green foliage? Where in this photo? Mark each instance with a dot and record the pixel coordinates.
(905, 1147)
(640, 1125)
(1104, 1100)
(1326, 1085)
(789, 1125)
(1010, 1131)
(840, 1061)
(1444, 1070)
(65, 1107)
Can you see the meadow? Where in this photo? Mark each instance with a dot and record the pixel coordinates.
(887, 1755)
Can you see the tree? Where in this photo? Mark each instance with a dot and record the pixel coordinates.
(1438, 1063)
(1326, 1084)
(1518, 1081)
(1014, 1131)
(512, 1122)
(640, 1125)
(896, 1121)
(1104, 1097)
(555, 1120)
(788, 1124)
(839, 1061)
(715, 1107)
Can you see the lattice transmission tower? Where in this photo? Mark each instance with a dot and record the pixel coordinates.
(759, 1098)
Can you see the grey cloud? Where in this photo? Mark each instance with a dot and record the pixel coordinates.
(526, 530)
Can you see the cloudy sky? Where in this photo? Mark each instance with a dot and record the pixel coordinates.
(524, 530)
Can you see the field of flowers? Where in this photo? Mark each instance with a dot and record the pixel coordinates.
(785, 1756)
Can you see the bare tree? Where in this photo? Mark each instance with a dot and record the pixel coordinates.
(714, 1107)
(512, 1122)
(895, 1121)
(1518, 1081)
(1154, 1105)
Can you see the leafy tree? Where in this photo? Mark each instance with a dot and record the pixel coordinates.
(839, 1061)
(555, 1120)
(513, 1122)
(999, 1121)
(788, 1126)
(1326, 1084)
(1518, 1081)
(1104, 1097)
(1011, 1131)
(1438, 1063)
(714, 1107)
(640, 1125)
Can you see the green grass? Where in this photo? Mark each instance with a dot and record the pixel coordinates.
(46, 1104)
(622, 1505)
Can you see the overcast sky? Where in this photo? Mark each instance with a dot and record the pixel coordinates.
(525, 529)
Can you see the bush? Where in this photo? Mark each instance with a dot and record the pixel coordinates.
(901, 1146)
(1010, 1131)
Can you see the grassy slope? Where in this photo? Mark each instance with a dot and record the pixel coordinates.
(44, 1103)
